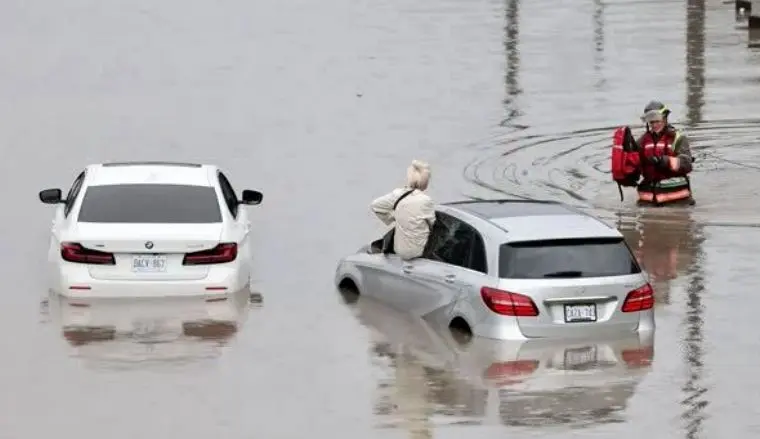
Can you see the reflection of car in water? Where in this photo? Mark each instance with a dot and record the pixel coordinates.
(438, 378)
(122, 331)
(665, 242)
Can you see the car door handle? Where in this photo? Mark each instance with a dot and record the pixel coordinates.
(449, 278)
(407, 268)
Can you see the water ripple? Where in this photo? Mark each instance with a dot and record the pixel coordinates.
(573, 167)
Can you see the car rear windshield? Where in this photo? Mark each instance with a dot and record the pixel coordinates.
(566, 258)
(150, 203)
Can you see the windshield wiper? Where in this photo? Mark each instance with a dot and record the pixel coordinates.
(568, 273)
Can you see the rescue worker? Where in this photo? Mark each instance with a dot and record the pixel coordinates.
(666, 159)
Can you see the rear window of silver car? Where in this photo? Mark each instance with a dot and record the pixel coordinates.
(150, 203)
(566, 258)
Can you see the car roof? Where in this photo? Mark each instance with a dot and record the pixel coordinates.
(528, 220)
(147, 172)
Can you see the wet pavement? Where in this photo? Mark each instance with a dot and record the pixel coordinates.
(321, 105)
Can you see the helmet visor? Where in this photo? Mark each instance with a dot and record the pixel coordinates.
(652, 116)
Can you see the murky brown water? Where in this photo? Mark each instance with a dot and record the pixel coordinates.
(321, 105)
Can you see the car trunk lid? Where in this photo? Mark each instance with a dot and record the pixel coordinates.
(578, 285)
(147, 251)
(577, 308)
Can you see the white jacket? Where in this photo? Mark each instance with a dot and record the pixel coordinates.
(414, 217)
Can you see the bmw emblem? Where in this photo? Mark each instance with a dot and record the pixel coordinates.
(149, 245)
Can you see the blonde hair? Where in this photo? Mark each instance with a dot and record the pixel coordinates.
(418, 175)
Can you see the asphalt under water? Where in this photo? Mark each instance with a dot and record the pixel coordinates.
(321, 105)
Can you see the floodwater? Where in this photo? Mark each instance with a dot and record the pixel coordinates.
(321, 105)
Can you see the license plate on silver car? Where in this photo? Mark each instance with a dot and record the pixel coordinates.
(580, 313)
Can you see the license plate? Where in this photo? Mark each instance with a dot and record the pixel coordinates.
(580, 313)
(148, 263)
(580, 357)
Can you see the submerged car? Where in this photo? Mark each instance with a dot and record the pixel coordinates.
(513, 269)
(149, 229)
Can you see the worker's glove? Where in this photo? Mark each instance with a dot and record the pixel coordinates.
(659, 161)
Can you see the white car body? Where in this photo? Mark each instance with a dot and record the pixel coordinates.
(126, 230)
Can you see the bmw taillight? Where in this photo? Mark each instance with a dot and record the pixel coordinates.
(507, 303)
(640, 299)
(220, 254)
(74, 252)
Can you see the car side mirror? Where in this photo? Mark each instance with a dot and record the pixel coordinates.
(51, 196)
(251, 197)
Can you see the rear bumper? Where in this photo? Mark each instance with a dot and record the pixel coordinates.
(74, 281)
(500, 328)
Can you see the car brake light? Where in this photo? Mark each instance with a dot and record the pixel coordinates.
(640, 299)
(74, 252)
(507, 303)
(218, 255)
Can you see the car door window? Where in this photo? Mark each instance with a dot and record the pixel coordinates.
(437, 238)
(72, 195)
(229, 195)
(450, 241)
(455, 242)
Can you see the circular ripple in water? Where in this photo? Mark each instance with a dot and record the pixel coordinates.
(574, 167)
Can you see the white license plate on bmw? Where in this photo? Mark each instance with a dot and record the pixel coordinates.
(580, 313)
(148, 263)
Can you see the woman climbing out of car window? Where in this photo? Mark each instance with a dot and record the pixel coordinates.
(412, 210)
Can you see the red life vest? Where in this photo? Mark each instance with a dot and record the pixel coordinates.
(661, 184)
(661, 148)
(625, 158)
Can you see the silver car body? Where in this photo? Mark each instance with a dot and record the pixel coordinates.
(503, 248)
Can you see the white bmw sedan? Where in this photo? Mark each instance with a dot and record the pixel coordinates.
(149, 229)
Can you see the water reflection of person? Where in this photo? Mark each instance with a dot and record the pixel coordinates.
(665, 241)
(419, 392)
(412, 396)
